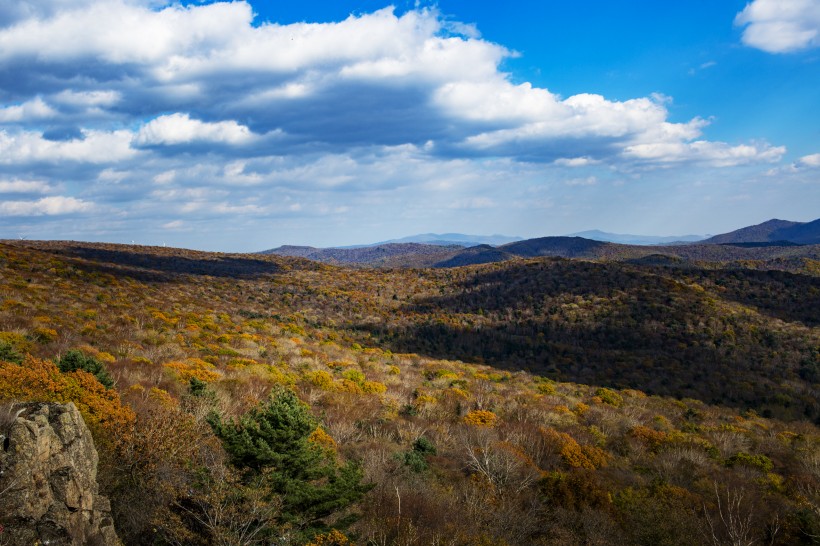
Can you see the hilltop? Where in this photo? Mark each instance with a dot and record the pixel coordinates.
(772, 231)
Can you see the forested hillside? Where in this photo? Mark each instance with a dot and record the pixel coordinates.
(257, 399)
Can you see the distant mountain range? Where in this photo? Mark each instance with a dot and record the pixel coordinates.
(624, 239)
(447, 239)
(786, 243)
(383, 255)
(773, 231)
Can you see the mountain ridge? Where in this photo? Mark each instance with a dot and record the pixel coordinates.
(631, 239)
(772, 231)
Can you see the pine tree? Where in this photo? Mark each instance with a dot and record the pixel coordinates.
(75, 360)
(273, 440)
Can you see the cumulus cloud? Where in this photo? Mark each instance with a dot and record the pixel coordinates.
(23, 147)
(28, 111)
(181, 129)
(372, 79)
(24, 186)
(179, 114)
(719, 154)
(781, 26)
(806, 163)
(810, 161)
(47, 206)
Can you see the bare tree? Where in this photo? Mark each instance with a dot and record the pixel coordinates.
(734, 522)
(233, 514)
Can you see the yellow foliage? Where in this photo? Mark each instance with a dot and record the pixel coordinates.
(323, 440)
(163, 397)
(333, 538)
(44, 335)
(17, 341)
(374, 387)
(458, 393)
(545, 388)
(346, 385)
(423, 400)
(321, 379)
(335, 364)
(239, 363)
(193, 367)
(481, 418)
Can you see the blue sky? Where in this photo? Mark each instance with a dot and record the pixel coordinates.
(243, 126)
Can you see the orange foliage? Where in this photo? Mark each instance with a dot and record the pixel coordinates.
(41, 380)
(194, 367)
(651, 438)
(574, 454)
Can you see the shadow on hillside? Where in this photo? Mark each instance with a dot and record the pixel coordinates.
(790, 297)
(604, 324)
(156, 267)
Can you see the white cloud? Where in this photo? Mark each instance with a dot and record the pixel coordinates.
(170, 114)
(23, 147)
(805, 163)
(574, 162)
(100, 97)
(718, 154)
(123, 32)
(24, 186)
(325, 84)
(31, 110)
(781, 26)
(47, 206)
(181, 129)
(811, 161)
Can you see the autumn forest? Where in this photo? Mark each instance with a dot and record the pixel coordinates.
(260, 399)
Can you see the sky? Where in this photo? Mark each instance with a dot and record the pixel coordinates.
(243, 126)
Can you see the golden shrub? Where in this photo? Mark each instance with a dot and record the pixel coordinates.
(481, 418)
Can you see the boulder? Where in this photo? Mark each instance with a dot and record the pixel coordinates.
(48, 480)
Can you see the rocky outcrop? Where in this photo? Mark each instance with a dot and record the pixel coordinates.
(48, 480)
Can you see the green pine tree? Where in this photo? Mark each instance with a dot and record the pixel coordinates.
(273, 440)
(75, 360)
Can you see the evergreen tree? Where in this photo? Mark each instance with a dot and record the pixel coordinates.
(75, 360)
(9, 354)
(273, 440)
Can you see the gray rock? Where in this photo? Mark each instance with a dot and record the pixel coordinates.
(48, 481)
